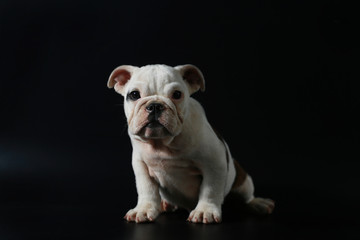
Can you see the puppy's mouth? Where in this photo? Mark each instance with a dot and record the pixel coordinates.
(154, 130)
(154, 124)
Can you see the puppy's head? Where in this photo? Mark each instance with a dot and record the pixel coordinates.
(156, 97)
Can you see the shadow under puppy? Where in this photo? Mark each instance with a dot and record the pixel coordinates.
(178, 159)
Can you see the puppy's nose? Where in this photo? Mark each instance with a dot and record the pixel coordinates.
(154, 108)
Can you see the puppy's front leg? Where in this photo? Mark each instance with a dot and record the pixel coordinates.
(148, 206)
(208, 209)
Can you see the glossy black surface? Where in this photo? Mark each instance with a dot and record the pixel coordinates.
(282, 87)
(82, 189)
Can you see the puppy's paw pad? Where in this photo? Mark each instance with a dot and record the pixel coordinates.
(262, 206)
(141, 214)
(205, 214)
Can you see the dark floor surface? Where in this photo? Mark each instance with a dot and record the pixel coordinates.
(82, 189)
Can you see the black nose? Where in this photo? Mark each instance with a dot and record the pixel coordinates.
(155, 108)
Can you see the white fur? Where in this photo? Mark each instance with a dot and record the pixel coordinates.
(186, 167)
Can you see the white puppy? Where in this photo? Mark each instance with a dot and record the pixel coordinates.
(178, 159)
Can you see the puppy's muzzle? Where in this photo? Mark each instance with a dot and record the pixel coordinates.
(154, 110)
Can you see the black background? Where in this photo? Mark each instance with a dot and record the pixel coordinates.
(282, 88)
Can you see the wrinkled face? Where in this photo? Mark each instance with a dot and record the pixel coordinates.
(155, 102)
(156, 97)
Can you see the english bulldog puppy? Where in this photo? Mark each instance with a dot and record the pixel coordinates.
(178, 159)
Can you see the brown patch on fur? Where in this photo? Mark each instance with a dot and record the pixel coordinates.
(240, 172)
(240, 175)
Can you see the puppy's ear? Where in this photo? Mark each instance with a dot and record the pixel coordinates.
(193, 76)
(119, 78)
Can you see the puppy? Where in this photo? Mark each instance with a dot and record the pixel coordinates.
(178, 158)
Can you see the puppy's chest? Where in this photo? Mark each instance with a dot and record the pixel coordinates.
(168, 165)
(163, 165)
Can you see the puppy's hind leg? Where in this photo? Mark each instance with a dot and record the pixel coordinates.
(244, 187)
(167, 207)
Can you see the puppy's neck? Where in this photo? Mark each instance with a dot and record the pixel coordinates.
(157, 143)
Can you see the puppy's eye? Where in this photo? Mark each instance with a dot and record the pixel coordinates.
(134, 95)
(177, 95)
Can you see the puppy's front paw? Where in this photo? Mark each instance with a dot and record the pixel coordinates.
(205, 213)
(142, 213)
